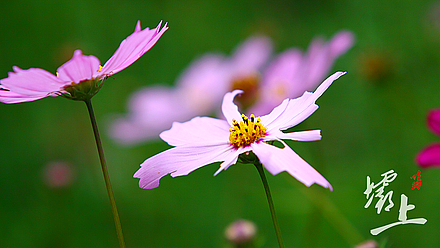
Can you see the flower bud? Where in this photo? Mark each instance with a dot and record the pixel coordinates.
(241, 232)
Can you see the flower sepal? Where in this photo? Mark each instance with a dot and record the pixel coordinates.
(248, 158)
(82, 91)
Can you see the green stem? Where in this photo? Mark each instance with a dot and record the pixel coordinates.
(259, 167)
(105, 173)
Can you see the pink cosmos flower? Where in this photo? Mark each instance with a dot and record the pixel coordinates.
(293, 72)
(205, 140)
(35, 83)
(199, 91)
(430, 156)
(201, 87)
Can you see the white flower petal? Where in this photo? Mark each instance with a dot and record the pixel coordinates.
(199, 130)
(232, 159)
(276, 160)
(179, 161)
(292, 112)
(309, 135)
(229, 109)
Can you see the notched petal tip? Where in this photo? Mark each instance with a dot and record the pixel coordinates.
(229, 109)
(138, 26)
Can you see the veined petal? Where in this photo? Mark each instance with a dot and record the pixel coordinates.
(276, 160)
(309, 135)
(10, 97)
(430, 156)
(131, 49)
(31, 82)
(229, 109)
(293, 111)
(79, 68)
(232, 158)
(199, 130)
(434, 121)
(179, 161)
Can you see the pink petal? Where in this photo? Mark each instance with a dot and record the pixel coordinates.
(10, 97)
(229, 109)
(203, 84)
(79, 68)
(430, 156)
(34, 82)
(276, 160)
(434, 121)
(232, 158)
(293, 111)
(292, 72)
(199, 130)
(321, 57)
(250, 56)
(310, 135)
(131, 49)
(179, 161)
(340, 43)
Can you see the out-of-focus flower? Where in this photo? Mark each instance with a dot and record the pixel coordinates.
(198, 91)
(202, 85)
(79, 78)
(205, 140)
(368, 244)
(292, 72)
(430, 156)
(241, 232)
(58, 174)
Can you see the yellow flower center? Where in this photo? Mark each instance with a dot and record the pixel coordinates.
(246, 132)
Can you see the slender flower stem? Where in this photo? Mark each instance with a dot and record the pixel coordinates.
(105, 173)
(259, 167)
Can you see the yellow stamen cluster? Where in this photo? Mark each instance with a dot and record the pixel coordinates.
(246, 132)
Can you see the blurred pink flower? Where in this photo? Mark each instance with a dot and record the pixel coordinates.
(35, 83)
(241, 232)
(205, 140)
(198, 91)
(430, 156)
(292, 73)
(200, 88)
(58, 174)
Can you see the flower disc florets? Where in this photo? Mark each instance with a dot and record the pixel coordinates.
(246, 132)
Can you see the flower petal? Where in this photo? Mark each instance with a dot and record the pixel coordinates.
(293, 111)
(131, 49)
(232, 158)
(276, 160)
(79, 68)
(199, 130)
(179, 161)
(430, 156)
(229, 109)
(309, 135)
(151, 111)
(250, 56)
(33, 82)
(434, 121)
(10, 97)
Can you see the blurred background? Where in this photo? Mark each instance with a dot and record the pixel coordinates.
(373, 120)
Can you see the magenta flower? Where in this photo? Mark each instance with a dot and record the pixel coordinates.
(205, 140)
(430, 156)
(78, 78)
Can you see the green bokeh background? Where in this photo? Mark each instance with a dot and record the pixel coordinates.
(372, 120)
